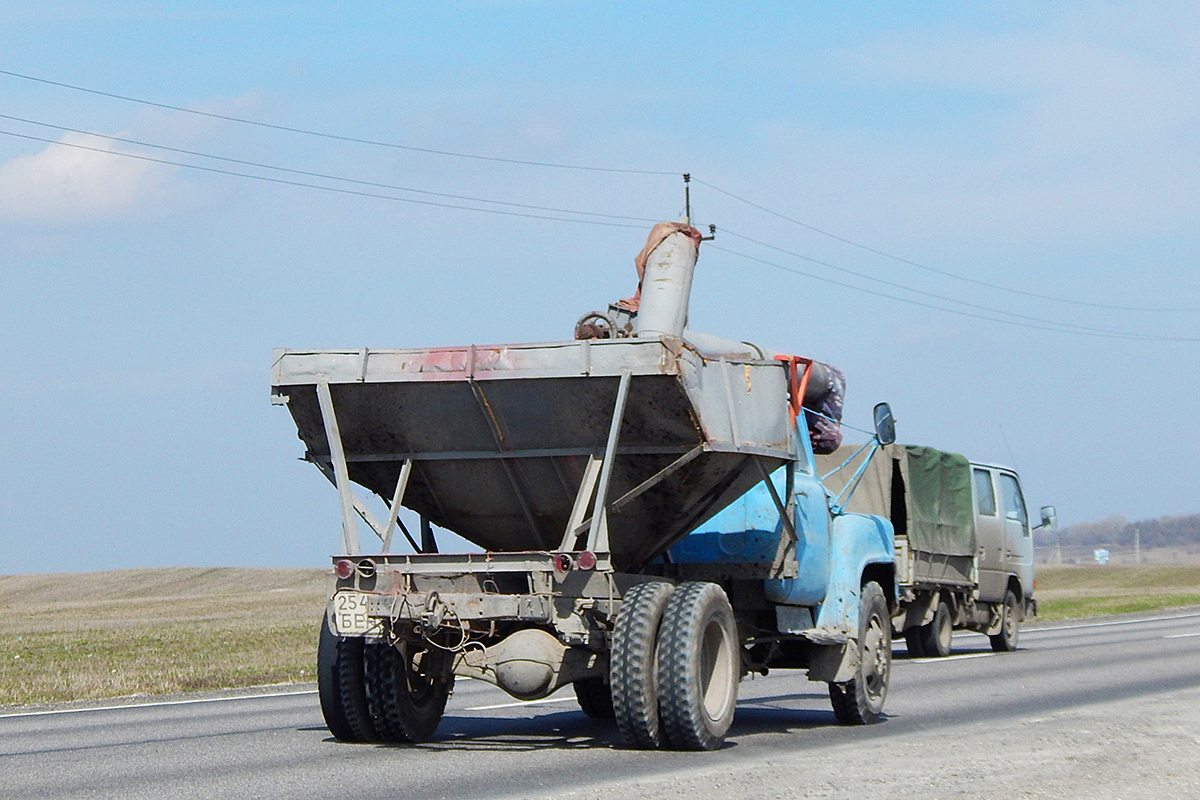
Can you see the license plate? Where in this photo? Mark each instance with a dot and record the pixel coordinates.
(350, 615)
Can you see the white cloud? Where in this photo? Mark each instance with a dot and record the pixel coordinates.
(1069, 127)
(67, 182)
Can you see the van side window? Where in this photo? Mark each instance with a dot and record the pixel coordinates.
(1014, 504)
(985, 498)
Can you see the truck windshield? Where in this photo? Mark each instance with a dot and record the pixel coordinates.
(1014, 504)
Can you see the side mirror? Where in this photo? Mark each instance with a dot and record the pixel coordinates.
(885, 425)
(1049, 518)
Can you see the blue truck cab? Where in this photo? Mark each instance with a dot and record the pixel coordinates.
(814, 591)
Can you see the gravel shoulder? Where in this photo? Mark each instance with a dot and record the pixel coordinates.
(1136, 749)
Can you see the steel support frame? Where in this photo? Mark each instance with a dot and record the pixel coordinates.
(593, 489)
(341, 476)
(337, 472)
(511, 470)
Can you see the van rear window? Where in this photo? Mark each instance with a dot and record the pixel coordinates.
(985, 496)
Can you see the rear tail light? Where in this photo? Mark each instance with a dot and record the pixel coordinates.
(343, 568)
(586, 560)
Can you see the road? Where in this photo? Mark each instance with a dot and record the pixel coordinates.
(1102, 709)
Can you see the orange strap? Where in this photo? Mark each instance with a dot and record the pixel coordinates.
(797, 384)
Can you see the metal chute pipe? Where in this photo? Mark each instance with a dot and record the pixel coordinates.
(666, 279)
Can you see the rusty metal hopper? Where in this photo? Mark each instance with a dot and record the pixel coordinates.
(513, 448)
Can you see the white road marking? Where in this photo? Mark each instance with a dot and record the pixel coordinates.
(1109, 624)
(158, 704)
(940, 659)
(520, 703)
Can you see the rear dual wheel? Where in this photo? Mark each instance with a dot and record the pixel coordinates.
(675, 666)
(932, 639)
(407, 689)
(377, 692)
(699, 667)
(595, 697)
(1010, 624)
(633, 664)
(341, 685)
(936, 636)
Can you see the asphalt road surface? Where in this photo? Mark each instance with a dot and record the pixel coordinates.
(1102, 709)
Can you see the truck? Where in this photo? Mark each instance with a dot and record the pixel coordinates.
(648, 510)
(963, 541)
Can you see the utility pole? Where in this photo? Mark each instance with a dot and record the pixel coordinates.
(1137, 545)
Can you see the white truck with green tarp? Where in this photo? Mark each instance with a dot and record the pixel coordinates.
(964, 549)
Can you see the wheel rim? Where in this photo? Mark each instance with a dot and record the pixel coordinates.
(945, 630)
(875, 660)
(420, 674)
(716, 670)
(1010, 620)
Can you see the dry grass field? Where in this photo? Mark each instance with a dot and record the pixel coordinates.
(1085, 591)
(155, 631)
(164, 631)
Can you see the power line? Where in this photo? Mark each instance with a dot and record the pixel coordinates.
(334, 136)
(1113, 335)
(935, 270)
(1041, 323)
(902, 287)
(1056, 325)
(321, 175)
(524, 162)
(335, 189)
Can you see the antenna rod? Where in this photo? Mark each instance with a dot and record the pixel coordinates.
(687, 198)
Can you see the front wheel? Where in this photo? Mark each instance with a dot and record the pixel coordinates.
(1010, 612)
(859, 701)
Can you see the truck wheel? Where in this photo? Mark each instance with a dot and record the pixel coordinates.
(936, 636)
(595, 698)
(1010, 612)
(341, 687)
(859, 701)
(407, 690)
(916, 645)
(699, 667)
(633, 667)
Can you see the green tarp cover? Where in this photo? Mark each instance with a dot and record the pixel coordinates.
(935, 510)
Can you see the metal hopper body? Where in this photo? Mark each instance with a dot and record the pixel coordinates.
(576, 466)
(514, 447)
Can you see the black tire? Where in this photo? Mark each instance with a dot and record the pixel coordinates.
(699, 666)
(937, 635)
(595, 698)
(341, 687)
(1010, 624)
(407, 690)
(916, 645)
(633, 666)
(859, 701)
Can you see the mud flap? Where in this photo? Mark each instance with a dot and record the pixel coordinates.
(835, 663)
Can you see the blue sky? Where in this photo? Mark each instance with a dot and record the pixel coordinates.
(1045, 150)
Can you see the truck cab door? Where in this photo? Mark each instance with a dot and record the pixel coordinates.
(1018, 540)
(989, 535)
